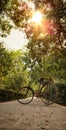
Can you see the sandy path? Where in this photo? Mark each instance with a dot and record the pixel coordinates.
(34, 116)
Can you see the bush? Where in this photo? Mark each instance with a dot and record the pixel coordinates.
(7, 95)
(62, 93)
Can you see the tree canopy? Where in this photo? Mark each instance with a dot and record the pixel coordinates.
(47, 37)
(42, 38)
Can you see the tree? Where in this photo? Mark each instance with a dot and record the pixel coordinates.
(5, 25)
(17, 76)
(47, 38)
(51, 35)
(5, 62)
(2, 5)
(44, 38)
(59, 66)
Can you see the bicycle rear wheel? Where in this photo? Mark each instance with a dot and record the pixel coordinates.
(49, 93)
(25, 95)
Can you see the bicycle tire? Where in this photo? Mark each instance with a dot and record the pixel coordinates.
(25, 95)
(49, 93)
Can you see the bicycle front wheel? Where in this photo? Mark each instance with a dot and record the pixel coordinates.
(25, 95)
(49, 93)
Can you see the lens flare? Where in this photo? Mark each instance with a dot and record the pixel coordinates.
(37, 17)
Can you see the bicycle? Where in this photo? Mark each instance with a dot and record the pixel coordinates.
(47, 92)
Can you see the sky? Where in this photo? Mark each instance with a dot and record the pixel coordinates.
(16, 40)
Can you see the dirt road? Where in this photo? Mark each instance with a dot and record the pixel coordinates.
(34, 116)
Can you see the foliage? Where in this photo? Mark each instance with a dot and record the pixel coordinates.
(24, 69)
(42, 38)
(61, 99)
(17, 76)
(2, 5)
(5, 62)
(5, 25)
(32, 67)
(52, 33)
(50, 66)
(55, 66)
(46, 42)
(5, 59)
(12, 72)
(6, 95)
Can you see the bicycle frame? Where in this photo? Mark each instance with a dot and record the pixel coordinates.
(42, 85)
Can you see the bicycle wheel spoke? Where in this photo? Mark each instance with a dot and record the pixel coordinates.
(27, 95)
(49, 93)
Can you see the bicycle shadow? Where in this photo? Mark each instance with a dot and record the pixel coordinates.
(38, 103)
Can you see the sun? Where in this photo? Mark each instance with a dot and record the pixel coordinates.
(37, 17)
